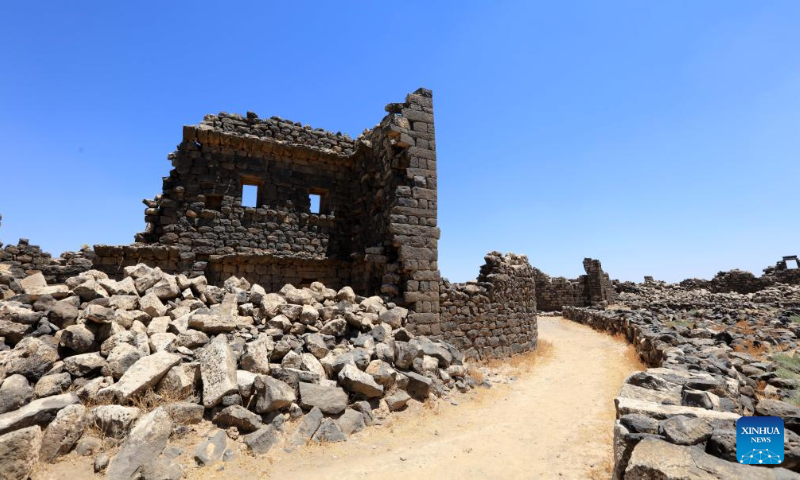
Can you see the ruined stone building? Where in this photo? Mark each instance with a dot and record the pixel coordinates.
(373, 224)
(277, 202)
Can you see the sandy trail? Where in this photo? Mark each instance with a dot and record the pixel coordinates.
(554, 421)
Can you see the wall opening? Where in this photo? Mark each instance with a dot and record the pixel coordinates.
(249, 195)
(314, 199)
(318, 200)
(792, 264)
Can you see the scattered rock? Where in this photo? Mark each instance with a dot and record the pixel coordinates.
(329, 399)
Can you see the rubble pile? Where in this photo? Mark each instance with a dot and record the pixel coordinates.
(81, 361)
(713, 357)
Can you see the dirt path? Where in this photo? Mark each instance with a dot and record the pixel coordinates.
(554, 421)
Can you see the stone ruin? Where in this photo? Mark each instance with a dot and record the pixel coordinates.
(373, 227)
(322, 302)
(331, 313)
(741, 281)
(594, 288)
(373, 224)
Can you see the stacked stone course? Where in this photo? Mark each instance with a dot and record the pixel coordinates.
(594, 288)
(495, 316)
(741, 281)
(23, 257)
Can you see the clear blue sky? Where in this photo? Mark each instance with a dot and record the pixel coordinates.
(659, 137)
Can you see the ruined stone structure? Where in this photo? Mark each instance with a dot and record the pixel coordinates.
(594, 288)
(23, 257)
(785, 271)
(495, 316)
(375, 227)
(372, 224)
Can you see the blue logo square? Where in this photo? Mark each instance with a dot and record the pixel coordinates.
(759, 440)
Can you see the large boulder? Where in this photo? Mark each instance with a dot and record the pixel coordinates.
(395, 317)
(653, 458)
(218, 371)
(54, 384)
(308, 426)
(776, 408)
(37, 412)
(272, 394)
(419, 386)
(143, 374)
(351, 422)
(63, 433)
(262, 440)
(14, 393)
(84, 364)
(256, 356)
(329, 432)
(238, 416)
(99, 314)
(32, 358)
(77, 338)
(330, 400)
(19, 452)
(271, 304)
(144, 444)
(114, 420)
(357, 381)
(683, 430)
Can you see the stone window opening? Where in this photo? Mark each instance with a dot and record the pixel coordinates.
(251, 190)
(318, 201)
(792, 263)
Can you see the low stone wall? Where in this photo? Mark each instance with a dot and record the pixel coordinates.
(24, 257)
(742, 281)
(112, 259)
(689, 399)
(594, 288)
(273, 272)
(493, 317)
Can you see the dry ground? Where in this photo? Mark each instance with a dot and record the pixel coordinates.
(553, 421)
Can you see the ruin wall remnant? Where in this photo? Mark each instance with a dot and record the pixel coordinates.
(594, 288)
(494, 316)
(375, 228)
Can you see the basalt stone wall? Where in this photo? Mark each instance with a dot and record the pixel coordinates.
(555, 293)
(741, 281)
(781, 273)
(375, 229)
(272, 272)
(22, 258)
(599, 290)
(594, 288)
(495, 316)
(690, 397)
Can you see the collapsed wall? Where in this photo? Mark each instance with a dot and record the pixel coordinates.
(594, 288)
(494, 316)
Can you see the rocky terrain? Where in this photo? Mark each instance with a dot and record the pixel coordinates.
(714, 357)
(122, 370)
